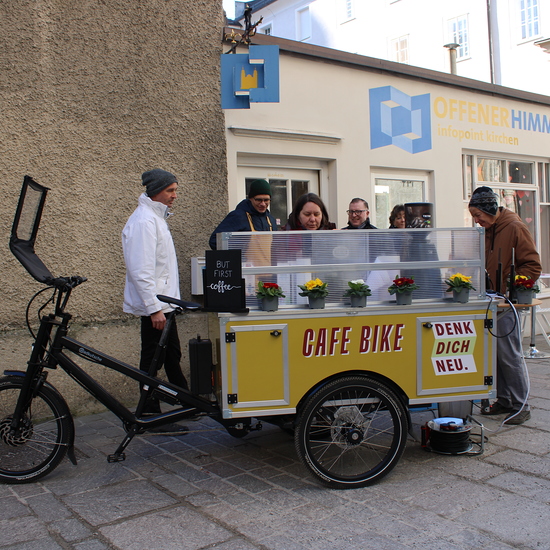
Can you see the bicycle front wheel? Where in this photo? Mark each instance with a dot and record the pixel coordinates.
(45, 432)
(351, 432)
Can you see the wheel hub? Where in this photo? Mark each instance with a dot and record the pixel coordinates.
(23, 434)
(348, 427)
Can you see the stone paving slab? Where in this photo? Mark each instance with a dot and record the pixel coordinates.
(209, 490)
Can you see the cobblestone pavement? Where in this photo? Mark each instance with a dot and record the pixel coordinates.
(210, 490)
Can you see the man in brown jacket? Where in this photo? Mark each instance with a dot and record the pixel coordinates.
(505, 236)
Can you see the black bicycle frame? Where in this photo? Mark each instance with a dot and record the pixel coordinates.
(51, 356)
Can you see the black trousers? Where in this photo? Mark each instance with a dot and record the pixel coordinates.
(170, 360)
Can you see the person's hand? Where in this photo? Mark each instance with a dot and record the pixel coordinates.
(158, 320)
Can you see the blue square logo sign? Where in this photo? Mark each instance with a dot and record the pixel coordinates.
(250, 78)
(399, 119)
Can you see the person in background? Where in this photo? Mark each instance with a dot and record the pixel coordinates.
(309, 213)
(358, 215)
(506, 237)
(397, 217)
(251, 214)
(152, 269)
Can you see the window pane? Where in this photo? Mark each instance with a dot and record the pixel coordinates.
(545, 239)
(299, 188)
(520, 172)
(278, 206)
(491, 170)
(520, 202)
(389, 193)
(467, 177)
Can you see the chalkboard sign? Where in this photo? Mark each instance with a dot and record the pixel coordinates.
(224, 288)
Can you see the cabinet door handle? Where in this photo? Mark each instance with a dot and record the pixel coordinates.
(275, 333)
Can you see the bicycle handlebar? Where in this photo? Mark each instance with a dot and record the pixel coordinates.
(66, 283)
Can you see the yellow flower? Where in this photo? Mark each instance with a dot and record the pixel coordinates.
(460, 277)
(313, 283)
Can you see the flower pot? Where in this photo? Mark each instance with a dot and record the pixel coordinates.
(316, 303)
(270, 303)
(524, 296)
(403, 298)
(461, 295)
(358, 301)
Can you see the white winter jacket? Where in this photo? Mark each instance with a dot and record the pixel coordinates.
(150, 256)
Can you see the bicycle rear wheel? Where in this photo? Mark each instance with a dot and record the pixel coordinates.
(351, 432)
(45, 432)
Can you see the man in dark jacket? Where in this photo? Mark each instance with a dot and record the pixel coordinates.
(358, 215)
(251, 214)
(505, 232)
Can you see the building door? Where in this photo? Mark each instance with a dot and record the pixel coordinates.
(287, 185)
(391, 190)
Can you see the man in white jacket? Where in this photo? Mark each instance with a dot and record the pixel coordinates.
(151, 269)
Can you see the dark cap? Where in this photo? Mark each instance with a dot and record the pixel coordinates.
(156, 180)
(484, 199)
(259, 187)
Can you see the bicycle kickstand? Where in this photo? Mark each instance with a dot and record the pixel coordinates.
(119, 455)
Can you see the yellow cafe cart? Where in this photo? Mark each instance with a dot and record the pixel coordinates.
(344, 378)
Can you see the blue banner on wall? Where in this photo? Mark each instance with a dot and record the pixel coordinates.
(250, 78)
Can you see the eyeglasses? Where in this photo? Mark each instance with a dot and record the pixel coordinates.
(355, 212)
(259, 201)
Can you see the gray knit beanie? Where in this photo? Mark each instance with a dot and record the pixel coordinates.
(156, 180)
(484, 199)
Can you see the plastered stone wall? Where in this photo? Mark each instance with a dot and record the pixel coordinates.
(94, 93)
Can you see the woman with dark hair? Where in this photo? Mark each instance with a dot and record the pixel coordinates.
(397, 217)
(309, 214)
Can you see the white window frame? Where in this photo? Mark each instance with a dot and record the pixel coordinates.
(459, 33)
(397, 51)
(529, 19)
(267, 29)
(303, 24)
(347, 11)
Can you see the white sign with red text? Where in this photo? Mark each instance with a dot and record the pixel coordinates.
(454, 347)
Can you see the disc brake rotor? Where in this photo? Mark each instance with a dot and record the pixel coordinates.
(23, 434)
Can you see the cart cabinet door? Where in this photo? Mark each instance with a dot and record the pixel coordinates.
(454, 355)
(257, 361)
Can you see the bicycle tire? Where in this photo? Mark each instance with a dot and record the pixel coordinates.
(42, 441)
(351, 432)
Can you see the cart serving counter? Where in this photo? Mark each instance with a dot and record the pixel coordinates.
(344, 377)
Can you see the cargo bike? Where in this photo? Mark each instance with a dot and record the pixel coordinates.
(342, 379)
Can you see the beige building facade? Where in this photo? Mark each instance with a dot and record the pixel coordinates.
(351, 126)
(93, 94)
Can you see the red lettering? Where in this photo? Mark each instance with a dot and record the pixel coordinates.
(440, 366)
(465, 346)
(321, 348)
(398, 337)
(333, 339)
(449, 329)
(440, 348)
(345, 341)
(458, 364)
(468, 329)
(375, 338)
(450, 365)
(457, 328)
(307, 347)
(364, 343)
(455, 347)
(439, 329)
(385, 339)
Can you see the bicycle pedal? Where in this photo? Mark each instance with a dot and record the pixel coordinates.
(116, 457)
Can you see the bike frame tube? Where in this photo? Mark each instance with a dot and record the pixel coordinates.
(55, 356)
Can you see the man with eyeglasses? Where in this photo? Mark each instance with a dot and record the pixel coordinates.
(358, 215)
(251, 214)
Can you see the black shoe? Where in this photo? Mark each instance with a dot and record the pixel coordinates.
(496, 408)
(517, 417)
